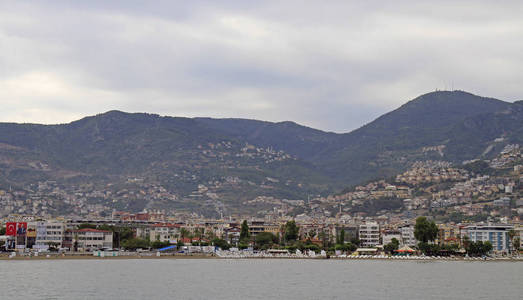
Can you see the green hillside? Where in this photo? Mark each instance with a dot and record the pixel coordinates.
(241, 159)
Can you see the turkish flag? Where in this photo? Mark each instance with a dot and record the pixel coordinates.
(10, 228)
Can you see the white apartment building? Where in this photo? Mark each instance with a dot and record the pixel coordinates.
(407, 235)
(89, 239)
(164, 232)
(496, 234)
(369, 235)
(49, 233)
(143, 232)
(388, 236)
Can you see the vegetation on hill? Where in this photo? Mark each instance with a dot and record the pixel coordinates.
(243, 159)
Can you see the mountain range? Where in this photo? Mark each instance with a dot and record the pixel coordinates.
(239, 159)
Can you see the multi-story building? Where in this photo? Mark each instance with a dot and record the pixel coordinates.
(143, 232)
(49, 234)
(89, 239)
(232, 235)
(387, 236)
(351, 231)
(256, 227)
(448, 234)
(497, 235)
(164, 232)
(407, 235)
(518, 228)
(369, 234)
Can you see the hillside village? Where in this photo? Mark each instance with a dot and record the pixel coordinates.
(167, 180)
(457, 198)
(54, 197)
(435, 187)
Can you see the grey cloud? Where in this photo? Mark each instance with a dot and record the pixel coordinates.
(333, 65)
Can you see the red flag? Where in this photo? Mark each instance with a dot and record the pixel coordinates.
(10, 228)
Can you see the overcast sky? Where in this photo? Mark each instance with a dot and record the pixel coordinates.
(332, 65)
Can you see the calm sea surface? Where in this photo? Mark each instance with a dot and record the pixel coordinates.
(259, 279)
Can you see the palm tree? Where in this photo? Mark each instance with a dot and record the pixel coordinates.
(517, 243)
(323, 237)
(511, 234)
(184, 233)
(199, 234)
(75, 243)
(210, 235)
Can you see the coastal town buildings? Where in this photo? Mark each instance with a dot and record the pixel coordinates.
(388, 235)
(164, 232)
(448, 234)
(43, 235)
(496, 234)
(407, 235)
(256, 227)
(48, 233)
(369, 234)
(465, 201)
(89, 239)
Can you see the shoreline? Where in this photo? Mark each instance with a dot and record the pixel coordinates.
(90, 256)
(134, 257)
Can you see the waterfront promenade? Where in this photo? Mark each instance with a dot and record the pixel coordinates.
(247, 255)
